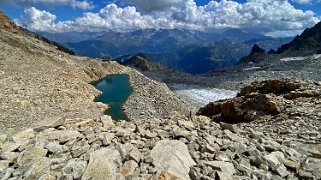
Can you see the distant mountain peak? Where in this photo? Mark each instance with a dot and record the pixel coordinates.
(256, 50)
(142, 62)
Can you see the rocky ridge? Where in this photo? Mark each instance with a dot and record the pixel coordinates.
(143, 63)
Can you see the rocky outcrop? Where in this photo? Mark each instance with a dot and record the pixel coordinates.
(256, 50)
(271, 97)
(142, 63)
(7, 24)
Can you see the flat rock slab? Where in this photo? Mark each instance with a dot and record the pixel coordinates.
(222, 166)
(102, 164)
(172, 157)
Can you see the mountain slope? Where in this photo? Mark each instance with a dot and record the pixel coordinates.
(8, 25)
(308, 43)
(39, 83)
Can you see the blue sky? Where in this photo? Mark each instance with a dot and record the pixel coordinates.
(270, 17)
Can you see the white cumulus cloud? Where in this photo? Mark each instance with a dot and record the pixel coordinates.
(85, 5)
(155, 5)
(306, 1)
(37, 20)
(271, 17)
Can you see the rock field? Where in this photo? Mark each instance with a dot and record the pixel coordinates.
(51, 128)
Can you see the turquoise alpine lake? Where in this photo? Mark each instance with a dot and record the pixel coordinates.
(115, 91)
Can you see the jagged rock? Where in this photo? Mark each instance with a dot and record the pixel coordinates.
(243, 109)
(3, 138)
(80, 147)
(107, 122)
(18, 140)
(128, 168)
(172, 156)
(221, 156)
(102, 164)
(31, 154)
(185, 124)
(79, 122)
(61, 136)
(259, 99)
(107, 137)
(274, 159)
(294, 165)
(54, 147)
(75, 168)
(222, 166)
(49, 123)
(178, 132)
(256, 134)
(223, 176)
(4, 164)
(38, 168)
(230, 127)
(135, 154)
(282, 171)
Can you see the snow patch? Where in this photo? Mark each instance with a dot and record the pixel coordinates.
(300, 58)
(200, 96)
(293, 59)
(251, 68)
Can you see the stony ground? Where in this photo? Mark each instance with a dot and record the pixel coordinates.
(285, 145)
(50, 127)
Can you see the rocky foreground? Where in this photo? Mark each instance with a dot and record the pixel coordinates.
(277, 145)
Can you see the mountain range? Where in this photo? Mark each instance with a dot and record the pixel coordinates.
(185, 50)
(308, 43)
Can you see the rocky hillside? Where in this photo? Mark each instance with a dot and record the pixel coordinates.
(38, 82)
(8, 25)
(308, 43)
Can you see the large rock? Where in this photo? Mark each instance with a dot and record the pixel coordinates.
(75, 168)
(38, 169)
(274, 159)
(266, 98)
(243, 109)
(61, 136)
(20, 139)
(102, 164)
(172, 157)
(31, 154)
(224, 167)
